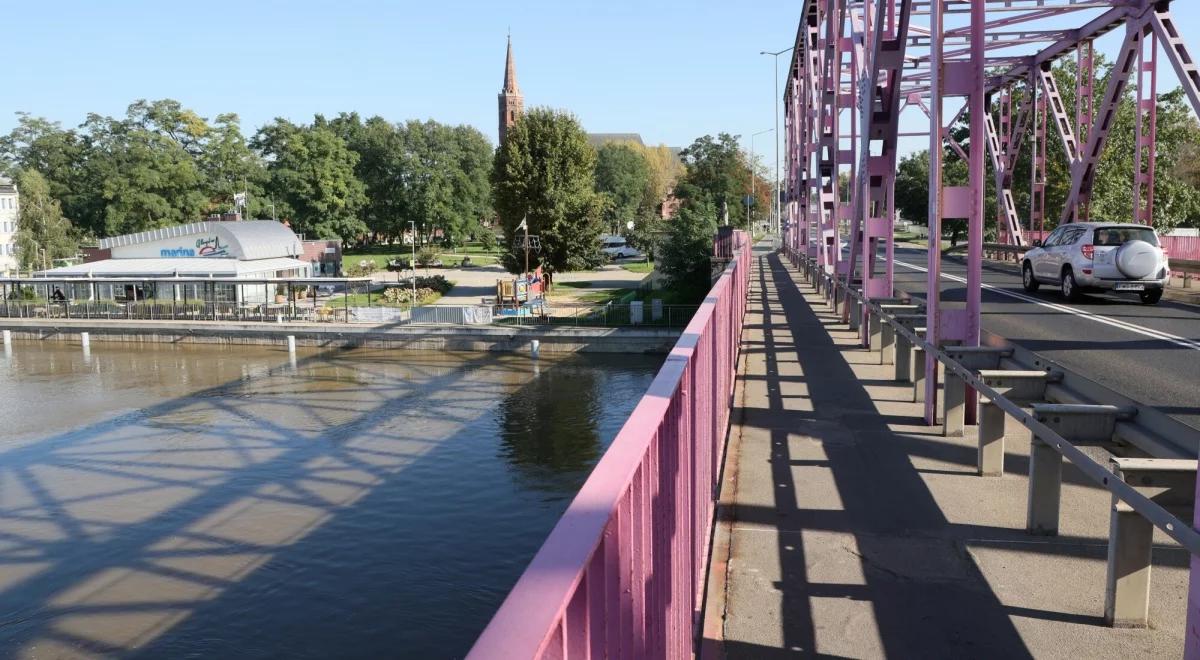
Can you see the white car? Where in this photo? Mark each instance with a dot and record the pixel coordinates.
(616, 248)
(1099, 256)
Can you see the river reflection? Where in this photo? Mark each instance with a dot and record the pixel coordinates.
(208, 502)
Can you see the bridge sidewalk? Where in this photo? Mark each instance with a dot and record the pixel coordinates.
(848, 528)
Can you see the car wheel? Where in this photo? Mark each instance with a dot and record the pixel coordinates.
(1027, 278)
(1069, 289)
(1151, 297)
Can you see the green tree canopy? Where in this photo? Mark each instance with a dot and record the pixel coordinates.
(624, 178)
(684, 256)
(311, 177)
(544, 171)
(43, 234)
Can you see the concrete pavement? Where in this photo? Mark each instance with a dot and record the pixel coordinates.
(854, 530)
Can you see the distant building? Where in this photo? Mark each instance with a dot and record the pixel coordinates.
(598, 140)
(512, 103)
(253, 249)
(8, 226)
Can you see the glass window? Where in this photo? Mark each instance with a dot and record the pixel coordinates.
(1054, 237)
(1116, 236)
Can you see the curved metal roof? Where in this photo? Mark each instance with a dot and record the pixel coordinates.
(250, 239)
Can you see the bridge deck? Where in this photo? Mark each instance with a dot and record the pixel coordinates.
(853, 530)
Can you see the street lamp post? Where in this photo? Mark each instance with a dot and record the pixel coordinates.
(752, 177)
(775, 204)
(413, 226)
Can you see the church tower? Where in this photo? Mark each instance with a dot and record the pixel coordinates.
(511, 101)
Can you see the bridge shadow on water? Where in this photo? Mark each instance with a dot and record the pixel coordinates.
(288, 512)
(889, 562)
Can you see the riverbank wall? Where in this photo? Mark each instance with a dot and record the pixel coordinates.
(551, 339)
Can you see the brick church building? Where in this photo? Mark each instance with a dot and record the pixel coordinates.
(511, 101)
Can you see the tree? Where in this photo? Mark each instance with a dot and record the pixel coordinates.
(623, 177)
(684, 256)
(544, 171)
(142, 174)
(311, 175)
(43, 234)
(665, 170)
(717, 171)
(229, 166)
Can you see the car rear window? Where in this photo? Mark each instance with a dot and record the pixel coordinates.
(1120, 235)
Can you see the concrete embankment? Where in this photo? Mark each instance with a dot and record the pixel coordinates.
(551, 339)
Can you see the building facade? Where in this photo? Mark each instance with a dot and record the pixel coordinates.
(512, 103)
(9, 206)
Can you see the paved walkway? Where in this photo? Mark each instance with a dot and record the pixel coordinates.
(472, 284)
(856, 531)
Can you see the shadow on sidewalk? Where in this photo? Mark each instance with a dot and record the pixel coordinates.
(927, 597)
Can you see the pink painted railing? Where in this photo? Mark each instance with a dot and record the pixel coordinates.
(621, 575)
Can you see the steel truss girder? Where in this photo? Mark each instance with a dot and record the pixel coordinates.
(1083, 167)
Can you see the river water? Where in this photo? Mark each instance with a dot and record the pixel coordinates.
(184, 501)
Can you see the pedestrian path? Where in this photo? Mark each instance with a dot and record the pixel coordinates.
(849, 528)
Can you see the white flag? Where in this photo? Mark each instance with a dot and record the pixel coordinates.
(524, 224)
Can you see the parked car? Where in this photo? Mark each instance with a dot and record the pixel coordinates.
(616, 248)
(1099, 256)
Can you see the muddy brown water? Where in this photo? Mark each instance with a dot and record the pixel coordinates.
(184, 501)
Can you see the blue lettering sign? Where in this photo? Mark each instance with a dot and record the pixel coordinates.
(177, 252)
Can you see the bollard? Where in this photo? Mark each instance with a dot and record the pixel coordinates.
(990, 460)
(1045, 487)
(903, 351)
(954, 394)
(887, 344)
(918, 378)
(85, 340)
(291, 343)
(535, 347)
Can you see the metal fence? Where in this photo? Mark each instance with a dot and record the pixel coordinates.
(621, 574)
(604, 316)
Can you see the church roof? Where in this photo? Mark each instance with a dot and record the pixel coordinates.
(599, 139)
(510, 73)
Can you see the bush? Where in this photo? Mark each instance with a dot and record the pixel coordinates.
(426, 256)
(437, 283)
(361, 269)
(487, 240)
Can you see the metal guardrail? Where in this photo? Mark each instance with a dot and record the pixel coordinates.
(621, 574)
(1143, 428)
(1185, 268)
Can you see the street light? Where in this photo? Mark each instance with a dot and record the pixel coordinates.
(776, 56)
(752, 177)
(413, 225)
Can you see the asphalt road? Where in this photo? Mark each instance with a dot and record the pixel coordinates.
(1149, 353)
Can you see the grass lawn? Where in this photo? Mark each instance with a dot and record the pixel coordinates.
(380, 258)
(639, 268)
(575, 285)
(360, 300)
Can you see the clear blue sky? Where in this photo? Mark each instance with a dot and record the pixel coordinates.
(670, 70)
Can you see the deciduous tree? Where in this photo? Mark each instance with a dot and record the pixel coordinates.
(544, 172)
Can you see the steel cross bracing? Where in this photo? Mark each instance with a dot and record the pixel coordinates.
(859, 65)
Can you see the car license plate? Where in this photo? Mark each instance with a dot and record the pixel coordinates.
(1130, 286)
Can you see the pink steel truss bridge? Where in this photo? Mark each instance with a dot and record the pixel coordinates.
(858, 65)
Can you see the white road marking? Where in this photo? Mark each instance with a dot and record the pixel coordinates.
(1116, 323)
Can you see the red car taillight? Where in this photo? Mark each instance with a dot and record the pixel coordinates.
(1089, 251)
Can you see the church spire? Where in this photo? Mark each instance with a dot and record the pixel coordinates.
(510, 72)
(512, 104)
